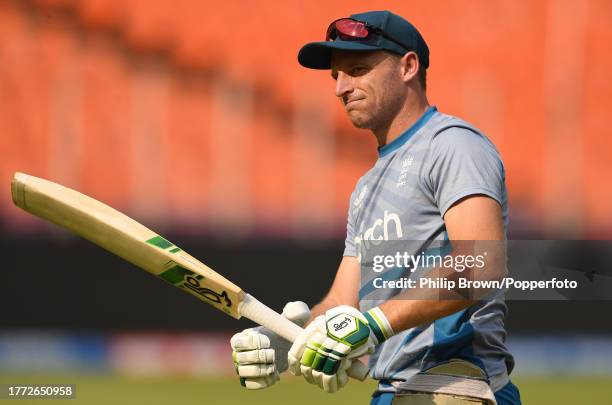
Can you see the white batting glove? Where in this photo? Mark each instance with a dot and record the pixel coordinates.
(324, 350)
(260, 355)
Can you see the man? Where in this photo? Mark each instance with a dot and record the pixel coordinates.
(437, 178)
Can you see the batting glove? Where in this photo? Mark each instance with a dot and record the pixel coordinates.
(324, 350)
(260, 355)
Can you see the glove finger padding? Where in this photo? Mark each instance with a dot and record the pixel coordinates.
(258, 356)
(253, 359)
(331, 353)
(311, 355)
(256, 370)
(329, 367)
(260, 382)
(249, 340)
(299, 346)
(342, 373)
(332, 383)
(329, 383)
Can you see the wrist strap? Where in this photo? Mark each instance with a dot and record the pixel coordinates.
(379, 324)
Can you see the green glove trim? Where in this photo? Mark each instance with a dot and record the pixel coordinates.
(327, 360)
(331, 366)
(319, 362)
(310, 353)
(379, 324)
(375, 328)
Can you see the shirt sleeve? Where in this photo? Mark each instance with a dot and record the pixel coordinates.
(463, 163)
(350, 249)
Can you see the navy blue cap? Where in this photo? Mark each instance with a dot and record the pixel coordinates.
(317, 55)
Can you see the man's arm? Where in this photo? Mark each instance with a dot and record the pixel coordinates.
(326, 347)
(475, 217)
(344, 289)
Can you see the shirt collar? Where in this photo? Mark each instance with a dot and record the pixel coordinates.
(407, 134)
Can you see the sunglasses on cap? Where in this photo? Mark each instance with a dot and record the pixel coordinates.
(348, 29)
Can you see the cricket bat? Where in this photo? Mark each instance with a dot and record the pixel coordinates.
(132, 241)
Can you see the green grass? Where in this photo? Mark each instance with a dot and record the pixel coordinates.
(112, 390)
(565, 390)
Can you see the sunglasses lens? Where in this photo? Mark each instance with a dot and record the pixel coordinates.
(347, 29)
(352, 28)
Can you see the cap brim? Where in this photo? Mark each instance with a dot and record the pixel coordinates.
(317, 55)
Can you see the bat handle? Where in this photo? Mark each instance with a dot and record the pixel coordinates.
(261, 314)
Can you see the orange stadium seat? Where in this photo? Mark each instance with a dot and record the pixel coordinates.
(133, 103)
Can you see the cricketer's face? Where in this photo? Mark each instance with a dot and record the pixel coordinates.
(369, 85)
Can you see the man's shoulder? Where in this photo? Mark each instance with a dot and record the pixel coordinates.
(361, 187)
(448, 131)
(442, 123)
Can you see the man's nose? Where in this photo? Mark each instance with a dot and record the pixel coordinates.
(343, 84)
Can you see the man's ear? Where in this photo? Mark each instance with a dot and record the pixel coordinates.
(409, 66)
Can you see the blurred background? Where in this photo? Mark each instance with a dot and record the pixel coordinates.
(193, 117)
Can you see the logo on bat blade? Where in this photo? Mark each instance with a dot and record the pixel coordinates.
(181, 277)
(192, 283)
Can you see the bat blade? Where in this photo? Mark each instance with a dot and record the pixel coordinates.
(126, 238)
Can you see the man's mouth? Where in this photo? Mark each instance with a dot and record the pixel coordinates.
(352, 102)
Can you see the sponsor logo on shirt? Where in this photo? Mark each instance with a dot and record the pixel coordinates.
(381, 229)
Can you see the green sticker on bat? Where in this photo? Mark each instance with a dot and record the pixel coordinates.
(177, 274)
(160, 242)
(163, 244)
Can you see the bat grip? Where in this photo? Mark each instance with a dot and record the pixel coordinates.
(261, 314)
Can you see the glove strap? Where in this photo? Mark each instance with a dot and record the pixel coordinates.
(379, 324)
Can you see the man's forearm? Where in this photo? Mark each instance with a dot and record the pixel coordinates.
(418, 306)
(406, 314)
(344, 289)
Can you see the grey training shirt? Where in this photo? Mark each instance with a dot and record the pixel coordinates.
(416, 179)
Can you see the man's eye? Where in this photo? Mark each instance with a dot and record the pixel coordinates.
(358, 71)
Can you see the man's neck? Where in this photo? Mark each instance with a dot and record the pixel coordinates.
(402, 121)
